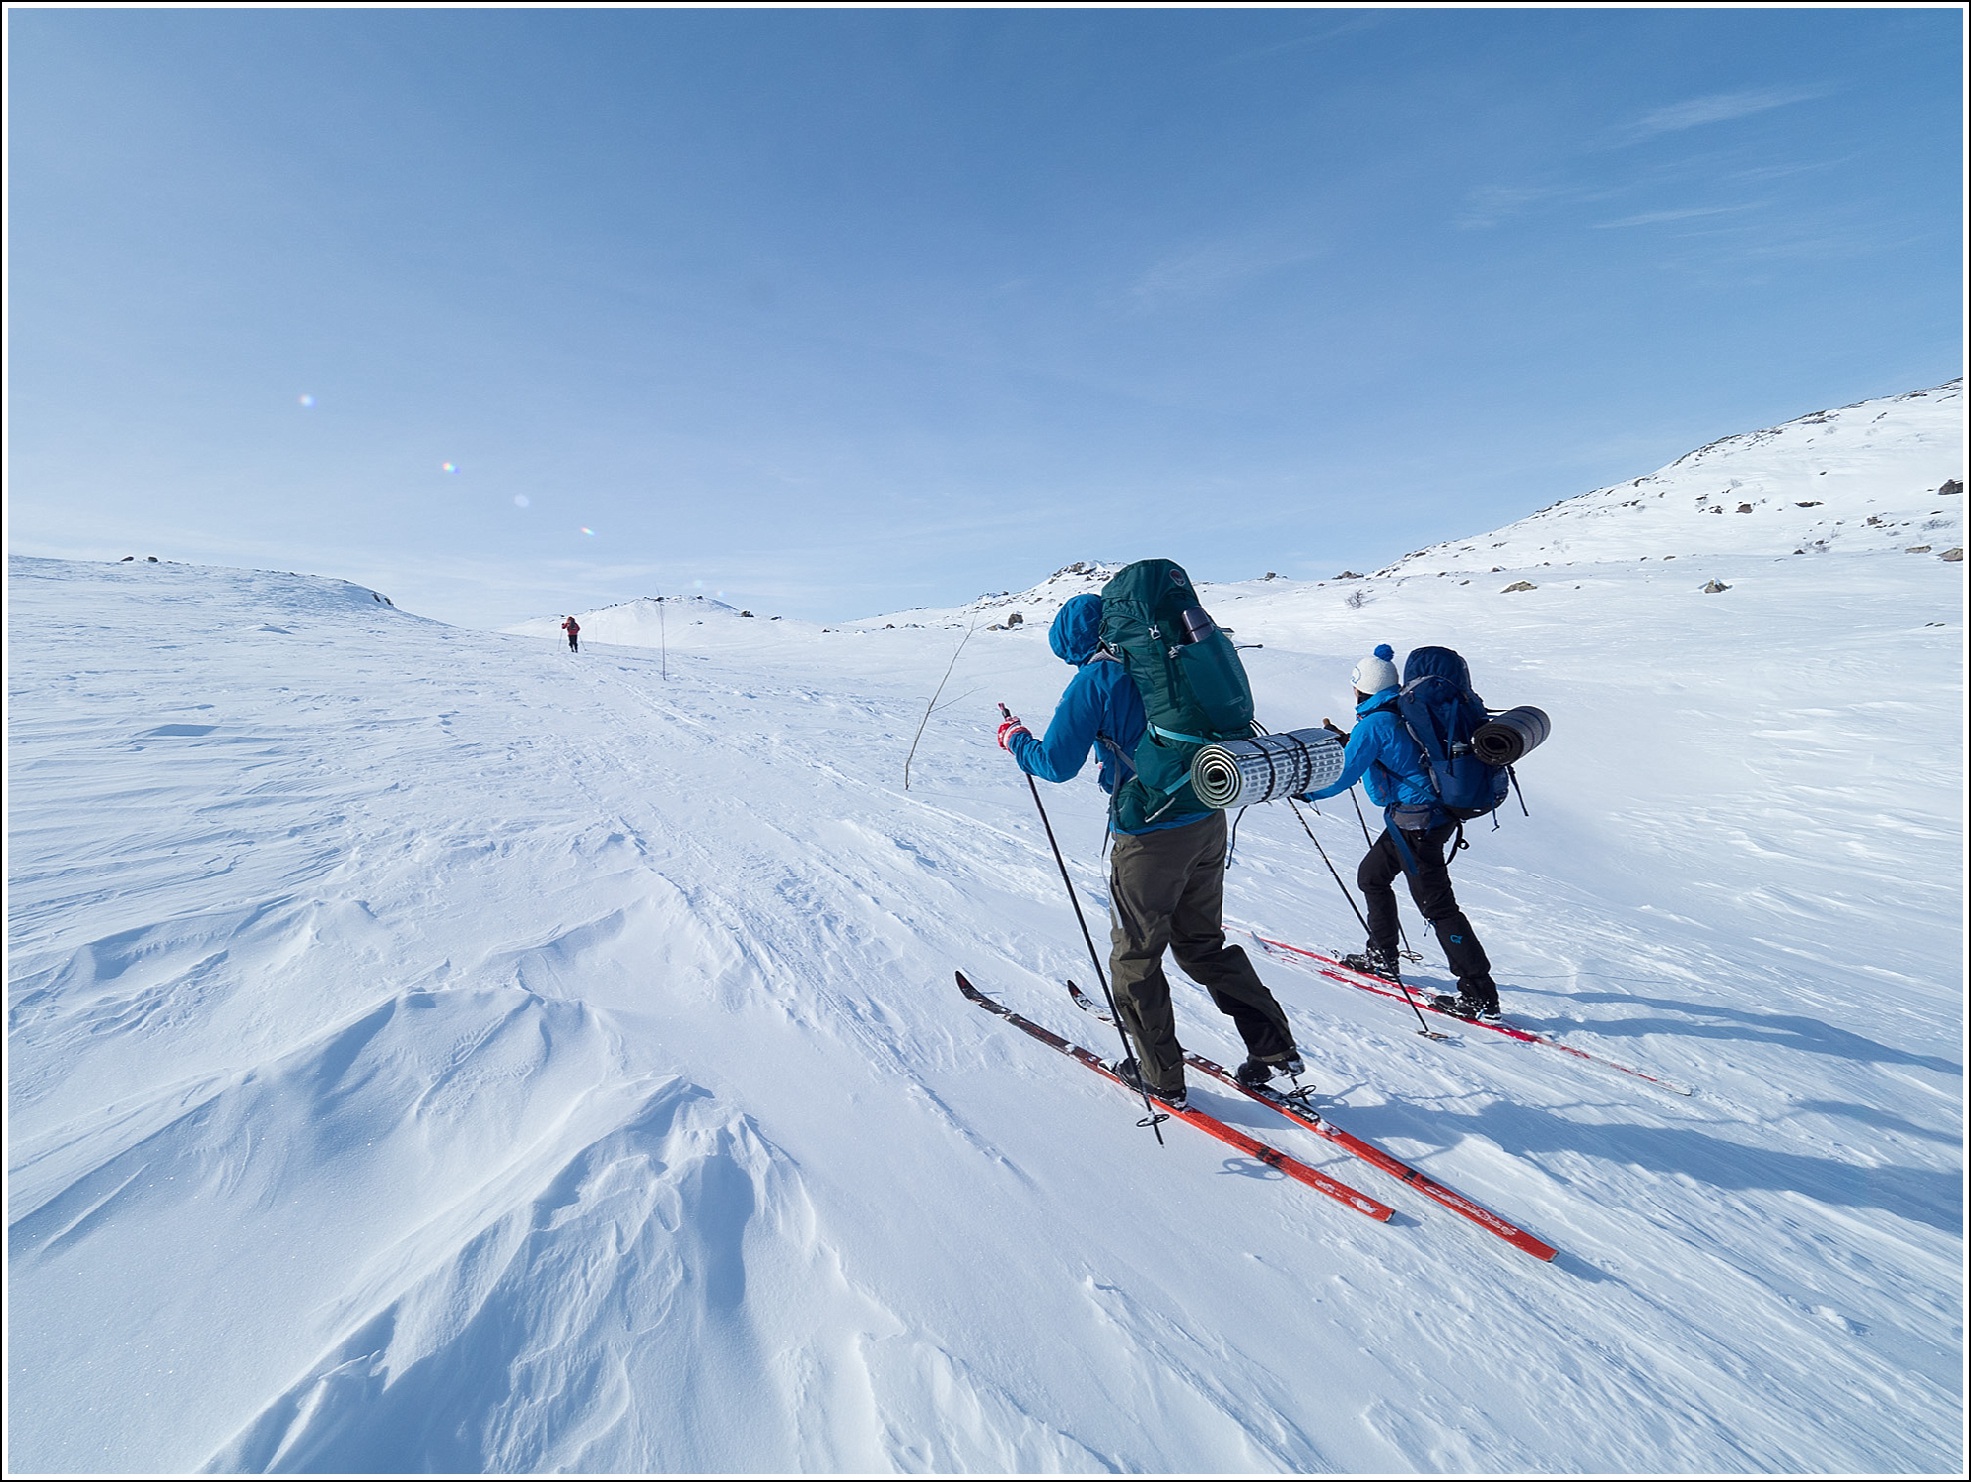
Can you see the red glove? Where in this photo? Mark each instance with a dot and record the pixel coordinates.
(1007, 727)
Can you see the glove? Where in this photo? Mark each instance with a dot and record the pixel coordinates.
(1007, 727)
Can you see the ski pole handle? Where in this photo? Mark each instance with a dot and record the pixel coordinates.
(1010, 725)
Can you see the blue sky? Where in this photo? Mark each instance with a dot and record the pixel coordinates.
(515, 311)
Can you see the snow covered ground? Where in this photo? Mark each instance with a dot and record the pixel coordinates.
(430, 1049)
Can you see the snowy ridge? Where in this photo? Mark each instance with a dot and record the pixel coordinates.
(647, 622)
(1032, 609)
(1039, 602)
(1866, 477)
(434, 1050)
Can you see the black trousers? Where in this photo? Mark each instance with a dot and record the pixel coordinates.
(1167, 890)
(1430, 887)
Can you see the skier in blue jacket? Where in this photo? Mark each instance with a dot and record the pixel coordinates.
(1389, 763)
(1167, 878)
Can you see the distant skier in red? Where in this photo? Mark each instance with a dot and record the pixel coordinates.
(574, 631)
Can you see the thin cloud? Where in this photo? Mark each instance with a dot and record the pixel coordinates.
(1489, 205)
(1719, 108)
(1685, 213)
(1211, 268)
(1298, 43)
(1781, 172)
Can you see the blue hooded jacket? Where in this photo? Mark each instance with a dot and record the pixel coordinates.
(1101, 704)
(1384, 756)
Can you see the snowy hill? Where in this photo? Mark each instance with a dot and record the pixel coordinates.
(1037, 605)
(434, 1050)
(1867, 477)
(647, 621)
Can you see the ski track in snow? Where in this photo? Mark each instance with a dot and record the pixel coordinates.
(432, 1050)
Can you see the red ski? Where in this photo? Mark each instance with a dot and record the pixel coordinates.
(1341, 972)
(1305, 1116)
(1293, 1168)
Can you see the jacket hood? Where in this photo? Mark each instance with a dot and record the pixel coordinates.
(1077, 629)
(1380, 697)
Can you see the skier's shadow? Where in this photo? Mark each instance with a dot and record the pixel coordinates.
(1933, 1197)
(1253, 1169)
(1687, 1021)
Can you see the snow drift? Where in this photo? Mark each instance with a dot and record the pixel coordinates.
(433, 1050)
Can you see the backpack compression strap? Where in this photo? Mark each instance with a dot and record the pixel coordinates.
(1124, 763)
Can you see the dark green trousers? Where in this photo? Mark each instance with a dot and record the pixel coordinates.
(1167, 889)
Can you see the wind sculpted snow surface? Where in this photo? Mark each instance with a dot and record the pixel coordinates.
(432, 1050)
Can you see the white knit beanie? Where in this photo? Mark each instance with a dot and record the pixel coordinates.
(1377, 672)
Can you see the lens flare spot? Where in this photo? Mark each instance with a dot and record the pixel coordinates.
(305, 399)
(587, 531)
(522, 500)
(448, 468)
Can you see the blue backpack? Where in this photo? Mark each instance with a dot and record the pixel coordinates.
(1438, 708)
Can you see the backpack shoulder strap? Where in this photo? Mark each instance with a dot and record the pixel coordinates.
(1430, 777)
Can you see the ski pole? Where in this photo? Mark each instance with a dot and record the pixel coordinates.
(1360, 819)
(1408, 951)
(1331, 867)
(1153, 1115)
(1422, 1028)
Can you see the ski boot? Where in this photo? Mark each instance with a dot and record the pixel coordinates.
(1469, 1005)
(1126, 1072)
(1375, 962)
(1256, 1073)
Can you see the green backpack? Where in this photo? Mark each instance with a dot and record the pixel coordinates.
(1193, 686)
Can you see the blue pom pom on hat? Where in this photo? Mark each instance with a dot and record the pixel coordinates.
(1377, 672)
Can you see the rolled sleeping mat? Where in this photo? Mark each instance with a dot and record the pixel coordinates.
(1233, 774)
(1504, 739)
